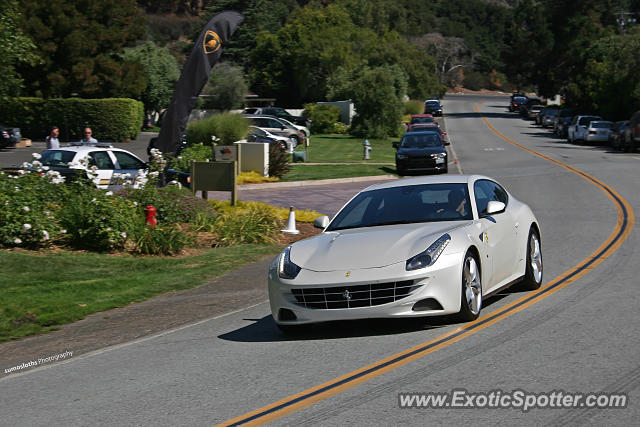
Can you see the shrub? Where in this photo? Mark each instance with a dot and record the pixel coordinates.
(278, 162)
(340, 128)
(322, 116)
(97, 220)
(168, 240)
(256, 224)
(413, 107)
(475, 80)
(254, 177)
(29, 205)
(302, 215)
(114, 119)
(227, 127)
(197, 152)
(173, 205)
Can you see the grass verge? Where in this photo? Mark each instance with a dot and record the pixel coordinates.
(346, 149)
(39, 291)
(304, 172)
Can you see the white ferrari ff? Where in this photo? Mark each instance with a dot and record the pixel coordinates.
(424, 246)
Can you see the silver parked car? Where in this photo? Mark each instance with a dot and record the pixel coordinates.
(598, 131)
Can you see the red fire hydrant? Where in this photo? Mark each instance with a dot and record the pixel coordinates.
(150, 211)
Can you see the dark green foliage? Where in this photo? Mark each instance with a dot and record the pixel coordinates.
(322, 116)
(379, 108)
(111, 119)
(15, 48)
(278, 161)
(173, 205)
(226, 88)
(414, 107)
(227, 127)
(196, 152)
(161, 72)
(79, 43)
(475, 80)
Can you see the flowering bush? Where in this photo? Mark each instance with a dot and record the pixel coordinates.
(98, 220)
(28, 208)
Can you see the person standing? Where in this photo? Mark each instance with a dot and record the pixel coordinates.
(87, 138)
(52, 139)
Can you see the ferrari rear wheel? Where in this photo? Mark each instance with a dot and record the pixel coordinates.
(533, 273)
(471, 298)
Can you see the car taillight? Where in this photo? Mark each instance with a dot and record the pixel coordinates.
(5, 134)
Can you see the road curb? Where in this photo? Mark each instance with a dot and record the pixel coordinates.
(315, 182)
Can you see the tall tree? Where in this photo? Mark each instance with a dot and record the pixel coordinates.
(79, 45)
(161, 73)
(15, 49)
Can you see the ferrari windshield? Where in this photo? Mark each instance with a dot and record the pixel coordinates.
(405, 205)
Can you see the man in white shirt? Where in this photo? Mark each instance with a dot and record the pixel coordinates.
(88, 139)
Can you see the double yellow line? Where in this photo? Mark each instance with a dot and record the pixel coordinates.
(296, 402)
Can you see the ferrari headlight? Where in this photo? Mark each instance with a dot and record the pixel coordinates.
(430, 255)
(286, 268)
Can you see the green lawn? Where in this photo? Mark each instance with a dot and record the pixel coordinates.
(301, 172)
(41, 290)
(346, 148)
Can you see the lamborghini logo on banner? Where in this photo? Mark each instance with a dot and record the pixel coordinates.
(211, 42)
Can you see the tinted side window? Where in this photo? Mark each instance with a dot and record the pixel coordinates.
(487, 191)
(274, 124)
(100, 159)
(127, 161)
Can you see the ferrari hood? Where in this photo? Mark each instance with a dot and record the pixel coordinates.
(368, 247)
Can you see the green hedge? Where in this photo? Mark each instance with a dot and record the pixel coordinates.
(111, 119)
(322, 116)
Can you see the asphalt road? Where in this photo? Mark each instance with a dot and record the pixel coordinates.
(582, 338)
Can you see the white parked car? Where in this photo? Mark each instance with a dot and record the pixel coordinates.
(425, 246)
(577, 129)
(112, 167)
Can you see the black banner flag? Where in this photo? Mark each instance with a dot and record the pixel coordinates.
(195, 75)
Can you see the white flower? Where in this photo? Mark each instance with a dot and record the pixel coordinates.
(26, 227)
(94, 168)
(47, 213)
(17, 241)
(109, 193)
(25, 208)
(123, 235)
(93, 200)
(36, 155)
(6, 203)
(108, 228)
(36, 164)
(63, 231)
(134, 203)
(46, 168)
(154, 174)
(46, 235)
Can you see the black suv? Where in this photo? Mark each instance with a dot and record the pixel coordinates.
(278, 112)
(9, 136)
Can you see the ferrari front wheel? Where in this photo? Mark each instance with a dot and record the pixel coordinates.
(533, 273)
(471, 298)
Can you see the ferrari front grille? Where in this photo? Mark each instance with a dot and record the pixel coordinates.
(353, 296)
